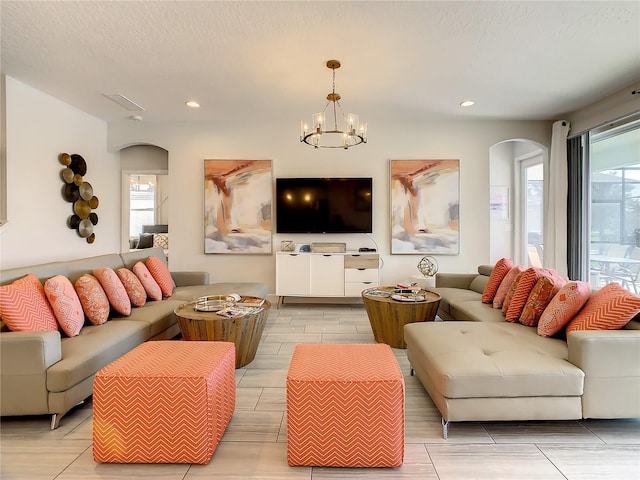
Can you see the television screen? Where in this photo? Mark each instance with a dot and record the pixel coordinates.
(323, 205)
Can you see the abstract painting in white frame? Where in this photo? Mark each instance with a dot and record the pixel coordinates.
(238, 197)
(425, 205)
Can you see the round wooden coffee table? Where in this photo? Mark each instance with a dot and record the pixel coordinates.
(388, 316)
(243, 330)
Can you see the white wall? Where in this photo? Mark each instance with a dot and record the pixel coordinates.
(501, 175)
(39, 128)
(189, 145)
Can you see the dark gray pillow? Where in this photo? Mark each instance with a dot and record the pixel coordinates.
(146, 240)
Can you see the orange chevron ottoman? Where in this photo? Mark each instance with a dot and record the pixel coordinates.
(164, 402)
(345, 406)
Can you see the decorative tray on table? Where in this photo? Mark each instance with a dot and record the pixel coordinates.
(213, 303)
(408, 297)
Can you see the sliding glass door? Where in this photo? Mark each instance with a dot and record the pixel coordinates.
(613, 159)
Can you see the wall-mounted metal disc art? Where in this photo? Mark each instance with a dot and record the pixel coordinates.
(80, 194)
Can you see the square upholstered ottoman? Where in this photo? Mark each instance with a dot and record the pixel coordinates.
(164, 402)
(345, 406)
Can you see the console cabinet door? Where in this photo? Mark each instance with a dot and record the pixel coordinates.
(292, 274)
(327, 275)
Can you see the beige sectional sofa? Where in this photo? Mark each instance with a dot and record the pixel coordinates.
(48, 373)
(483, 368)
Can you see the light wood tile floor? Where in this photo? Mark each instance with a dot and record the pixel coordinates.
(254, 444)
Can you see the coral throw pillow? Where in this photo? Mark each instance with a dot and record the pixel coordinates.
(161, 240)
(114, 289)
(24, 306)
(161, 275)
(541, 295)
(132, 285)
(93, 299)
(563, 307)
(505, 284)
(65, 304)
(521, 293)
(146, 279)
(512, 290)
(610, 308)
(499, 271)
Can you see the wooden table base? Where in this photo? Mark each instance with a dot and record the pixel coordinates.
(245, 331)
(388, 317)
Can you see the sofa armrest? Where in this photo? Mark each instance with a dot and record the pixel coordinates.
(186, 279)
(605, 353)
(455, 280)
(25, 353)
(24, 360)
(610, 360)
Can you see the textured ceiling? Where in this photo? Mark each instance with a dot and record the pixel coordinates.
(266, 60)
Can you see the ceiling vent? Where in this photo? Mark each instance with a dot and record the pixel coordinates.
(124, 102)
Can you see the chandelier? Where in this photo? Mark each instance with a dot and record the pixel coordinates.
(350, 133)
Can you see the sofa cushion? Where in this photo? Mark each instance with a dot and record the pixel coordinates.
(452, 294)
(475, 310)
(479, 284)
(24, 306)
(65, 304)
(251, 289)
(501, 268)
(610, 308)
(95, 347)
(148, 282)
(112, 286)
(79, 267)
(505, 285)
(95, 303)
(562, 308)
(135, 290)
(541, 295)
(158, 316)
(161, 275)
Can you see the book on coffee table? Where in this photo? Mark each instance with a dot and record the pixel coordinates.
(236, 310)
(407, 285)
(250, 302)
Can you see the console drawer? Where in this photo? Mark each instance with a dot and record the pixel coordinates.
(355, 289)
(361, 261)
(361, 275)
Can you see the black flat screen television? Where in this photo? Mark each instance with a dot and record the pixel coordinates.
(324, 205)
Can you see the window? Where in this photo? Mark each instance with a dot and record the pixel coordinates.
(533, 211)
(611, 157)
(142, 202)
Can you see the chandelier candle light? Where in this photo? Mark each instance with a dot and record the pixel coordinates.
(353, 133)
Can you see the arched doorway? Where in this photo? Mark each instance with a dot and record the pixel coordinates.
(517, 180)
(145, 196)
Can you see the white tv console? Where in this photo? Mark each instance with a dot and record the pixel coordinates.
(302, 274)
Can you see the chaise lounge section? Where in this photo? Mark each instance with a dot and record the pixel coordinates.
(478, 367)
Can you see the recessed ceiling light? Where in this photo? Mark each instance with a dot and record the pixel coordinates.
(192, 104)
(467, 103)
